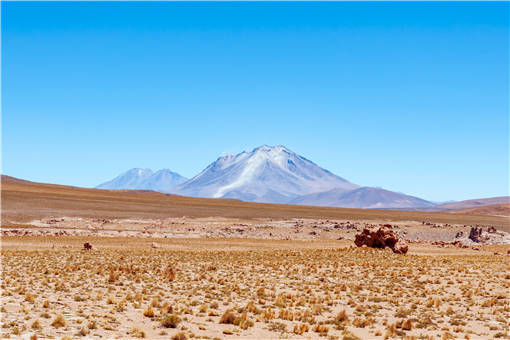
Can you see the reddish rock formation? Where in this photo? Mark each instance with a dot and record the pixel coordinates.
(400, 247)
(381, 238)
(475, 234)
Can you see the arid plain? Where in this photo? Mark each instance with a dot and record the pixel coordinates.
(164, 266)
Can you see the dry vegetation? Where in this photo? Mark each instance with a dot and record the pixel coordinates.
(257, 271)
(273, 292)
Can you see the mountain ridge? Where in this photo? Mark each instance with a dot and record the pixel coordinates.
(275, 174)
(144, 179)
(364, 197)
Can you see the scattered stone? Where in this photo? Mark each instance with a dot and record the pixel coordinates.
(87, 246)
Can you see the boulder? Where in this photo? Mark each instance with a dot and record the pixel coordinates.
(475, 234)
(87, 246)
(381, 238)
(400, 247)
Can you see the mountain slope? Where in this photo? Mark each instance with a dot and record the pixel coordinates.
(365, 197)
(474, 203)
(24, 201)
(145, 179)
(267, 174)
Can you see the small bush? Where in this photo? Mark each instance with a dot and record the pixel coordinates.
(59, 321)
(149, 312)
(180, 336)
(170, 321)
(342, 316)
(36, 325)
(228, 317)
(137, 333)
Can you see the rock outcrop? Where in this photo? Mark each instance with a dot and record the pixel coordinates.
(475, 234)
(381, 238)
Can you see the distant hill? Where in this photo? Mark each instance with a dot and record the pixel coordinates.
(473, 203)
(494, 210)
(23, 201)
(365, 197)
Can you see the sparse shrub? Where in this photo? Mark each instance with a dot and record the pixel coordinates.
(228, 317)
(179, 336)
(360, 323)
(149, 312)
(407, 325)
(319, 328)
(300, 329)
(36, 325)
(261, 293)
(169, 273)
(29, 298)
(137, 333)
(83, 331)
(59, 321)
(342, 316)
(170, 321)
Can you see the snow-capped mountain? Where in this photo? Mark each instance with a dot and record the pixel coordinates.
(145, 179)
(365, 197)
(266, 174)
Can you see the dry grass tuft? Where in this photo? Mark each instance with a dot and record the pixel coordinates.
(59, 321)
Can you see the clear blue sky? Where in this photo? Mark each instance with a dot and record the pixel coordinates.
(412, 97)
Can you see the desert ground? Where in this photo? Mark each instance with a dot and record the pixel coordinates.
(170, 267)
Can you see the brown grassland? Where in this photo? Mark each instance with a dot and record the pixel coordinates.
(23, 201)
